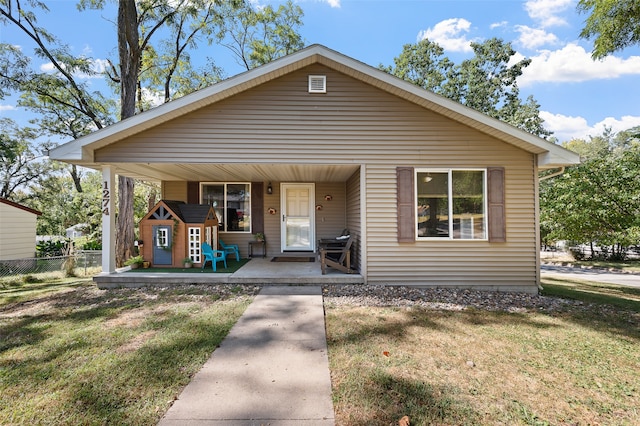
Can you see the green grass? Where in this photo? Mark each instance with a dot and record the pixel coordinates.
(28, 288)
(72, 354)
(628, 266)
(593, 292)
(578, 364)
(232, 266)
(80, 355)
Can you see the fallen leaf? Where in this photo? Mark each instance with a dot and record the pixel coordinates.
(404, 421)
(385, 353)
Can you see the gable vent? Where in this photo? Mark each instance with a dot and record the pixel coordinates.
(317, 84)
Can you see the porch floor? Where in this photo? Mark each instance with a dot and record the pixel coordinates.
(256, 271)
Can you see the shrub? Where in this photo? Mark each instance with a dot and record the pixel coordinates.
(576, 253)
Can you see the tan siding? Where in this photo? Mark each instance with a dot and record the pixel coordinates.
(355, 123)
(354, 218)
(331, 220)
(174, 190)
(272, 222)
(280, 122)
(17, 233)
(509, 265)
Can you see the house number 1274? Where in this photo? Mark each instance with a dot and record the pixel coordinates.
(106, 197)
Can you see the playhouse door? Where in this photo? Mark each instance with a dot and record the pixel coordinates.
(162, 245)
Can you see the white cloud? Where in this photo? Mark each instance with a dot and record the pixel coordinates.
(151, 97)
(616, 125)
(332, 3)
(566, 127)
(98, 66)
(500, 24)
(532, 38)
(7, 107)
(546, 12)
(48, 67)
(450, 34)
(573, 64)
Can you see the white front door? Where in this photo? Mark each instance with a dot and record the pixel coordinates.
(298, 219)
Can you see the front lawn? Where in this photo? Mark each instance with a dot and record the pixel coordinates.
(578, 365)
(78, 355)
(72, 354)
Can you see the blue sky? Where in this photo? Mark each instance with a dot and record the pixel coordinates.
(578, 96)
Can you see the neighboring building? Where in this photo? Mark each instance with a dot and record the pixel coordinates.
(17, 231)
(76, 231)
(434, 193)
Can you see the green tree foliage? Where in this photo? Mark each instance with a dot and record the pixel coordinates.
(486, 82)
(62, 206)
(598, 200)
(22, 164)
(155, 40)
(62, 87)
(614, 24)
(257, 36)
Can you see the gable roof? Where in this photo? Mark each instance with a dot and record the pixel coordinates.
(195, 213)
(185, 213)
(20, 206)
(80, 151)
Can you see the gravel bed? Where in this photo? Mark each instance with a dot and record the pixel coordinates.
(442, 299)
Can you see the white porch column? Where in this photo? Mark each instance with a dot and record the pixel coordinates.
(108, 220)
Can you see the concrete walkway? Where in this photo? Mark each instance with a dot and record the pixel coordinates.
(272, 368)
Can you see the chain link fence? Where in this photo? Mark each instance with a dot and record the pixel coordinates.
(82, 262)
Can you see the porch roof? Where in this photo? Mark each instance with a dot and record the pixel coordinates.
(81, 151)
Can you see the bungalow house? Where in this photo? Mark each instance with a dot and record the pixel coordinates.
(17, 231)
(434, 193)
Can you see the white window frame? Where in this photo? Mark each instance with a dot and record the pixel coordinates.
(224, 208)
(449, 171)
(194, 241)
(208, 235)
(162, 237)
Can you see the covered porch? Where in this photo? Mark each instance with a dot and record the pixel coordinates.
(256, 271)
(331, 203)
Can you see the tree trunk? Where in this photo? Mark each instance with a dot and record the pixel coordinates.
(124, 222)
(152, 200)
(77, 179)
(129, 52)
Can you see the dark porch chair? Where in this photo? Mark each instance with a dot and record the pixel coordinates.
(336, 254)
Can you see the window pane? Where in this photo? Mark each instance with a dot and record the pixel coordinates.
(238, 207)
(468, 204)
(213, 195)
(162, 239)
(433, 204)
(194, 244)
